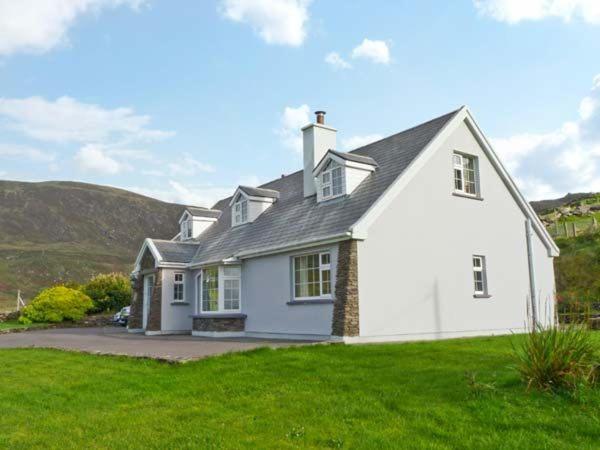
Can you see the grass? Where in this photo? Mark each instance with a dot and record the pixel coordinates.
(14, 325)
(451, 394)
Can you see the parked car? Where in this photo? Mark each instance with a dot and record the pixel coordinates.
(122, 316)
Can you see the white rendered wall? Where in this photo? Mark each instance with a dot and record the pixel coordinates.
(176, 317)
(415, 267)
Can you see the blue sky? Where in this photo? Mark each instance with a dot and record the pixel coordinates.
(184, 100)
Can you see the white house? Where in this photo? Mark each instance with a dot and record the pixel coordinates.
(421, 235)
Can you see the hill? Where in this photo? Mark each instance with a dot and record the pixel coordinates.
(65, 231)
(541, 206)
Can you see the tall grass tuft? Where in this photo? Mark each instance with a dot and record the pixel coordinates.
(555, 359)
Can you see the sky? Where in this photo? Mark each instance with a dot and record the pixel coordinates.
(184, 100)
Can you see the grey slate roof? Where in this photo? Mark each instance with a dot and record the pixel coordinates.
(260, 192)
(293, 218)
(203, 212)
(174, 251)
(353, 157)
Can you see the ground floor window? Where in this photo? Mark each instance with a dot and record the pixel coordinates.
(479, 275)
(221, 289)
(178, 294)
(312, 276)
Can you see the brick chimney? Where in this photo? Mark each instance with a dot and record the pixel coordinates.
(317, 138)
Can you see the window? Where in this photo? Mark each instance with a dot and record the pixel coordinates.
(332, 181)
(178, 288)
(479, 275)
(210, 289)
(240, 211)
(465, 174)
(186, 230)
(231, 288)
(221, 289)
(312, 276)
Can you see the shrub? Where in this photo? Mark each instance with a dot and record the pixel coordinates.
(55, 305)
(109, 292)
(554, 359)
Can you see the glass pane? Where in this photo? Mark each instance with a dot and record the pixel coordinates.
(326, 177)
(231, 271)
(326, 191)
(307, 276)
(325, 258)
(457, 160)
(326, 282)
(476, 262)
(210, 289)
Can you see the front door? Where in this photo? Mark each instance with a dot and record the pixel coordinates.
(148, 288)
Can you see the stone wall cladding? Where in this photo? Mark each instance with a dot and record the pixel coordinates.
(219, 324)
(345, 308)
(137, 308)
(155, 314)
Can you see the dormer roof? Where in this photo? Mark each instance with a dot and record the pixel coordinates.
(197, 211)
(255, 194)
(351, 157)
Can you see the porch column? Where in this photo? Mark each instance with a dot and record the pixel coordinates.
(155, 313)
(345, 308)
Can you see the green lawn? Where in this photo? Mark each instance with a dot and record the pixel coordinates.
(374, 396)
(13, 325)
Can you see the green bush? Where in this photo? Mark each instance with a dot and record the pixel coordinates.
(109, 292)
(555, 359)
(55, 305)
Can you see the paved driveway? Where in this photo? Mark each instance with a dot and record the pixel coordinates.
(117, 341)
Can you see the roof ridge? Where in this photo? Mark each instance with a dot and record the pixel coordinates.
(172, 242)
(451, 113)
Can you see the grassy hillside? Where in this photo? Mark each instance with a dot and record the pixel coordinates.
(64, 231)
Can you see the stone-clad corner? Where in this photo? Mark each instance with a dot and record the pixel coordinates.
(135, 321)
(345, 308)
(155, 312)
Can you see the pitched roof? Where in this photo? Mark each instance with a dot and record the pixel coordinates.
(198, 211)
(295, 219)
(175, 251)
(259, 192)
(353, 157)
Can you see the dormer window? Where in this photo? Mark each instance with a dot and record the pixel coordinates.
(332, 181)
(194, 221)
(240, 211)
(339, 174)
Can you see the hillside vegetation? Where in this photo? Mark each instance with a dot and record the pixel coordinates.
(64, 231)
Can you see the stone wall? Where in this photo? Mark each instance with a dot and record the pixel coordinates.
(345, 308)
(231, 323)
(155, 314)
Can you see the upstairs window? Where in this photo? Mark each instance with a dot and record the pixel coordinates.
(465, 174)
(178, 288)
(186, 230)
(479, 275)
(332, 181)
(240, 211)
(312, 276)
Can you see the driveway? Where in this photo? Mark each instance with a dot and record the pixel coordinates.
(117, 341)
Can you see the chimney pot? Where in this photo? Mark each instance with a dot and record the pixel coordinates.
(320, 117)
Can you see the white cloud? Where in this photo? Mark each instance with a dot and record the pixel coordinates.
(587, 107)
(375, 51)
(178, 192)
(93, 158)
(20, 152)
(358, 141)
(515, 11)
(68, 120)
(280, 22)
(189, 166)
(559, 161)
(336, 61)
(40, 25)
(292, 120)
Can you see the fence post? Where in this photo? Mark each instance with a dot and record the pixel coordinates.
(574, 230)
(566, 229)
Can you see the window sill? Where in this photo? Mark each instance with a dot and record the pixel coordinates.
(177, 303)
(218, 315)
(316, 301)
(472, 197)
(482, 296)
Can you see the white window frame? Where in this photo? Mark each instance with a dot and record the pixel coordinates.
(332, 166)
(459, 165)
(322, 268)
(481, 268)
(238, 209)
(221, 290)
(179, 283)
